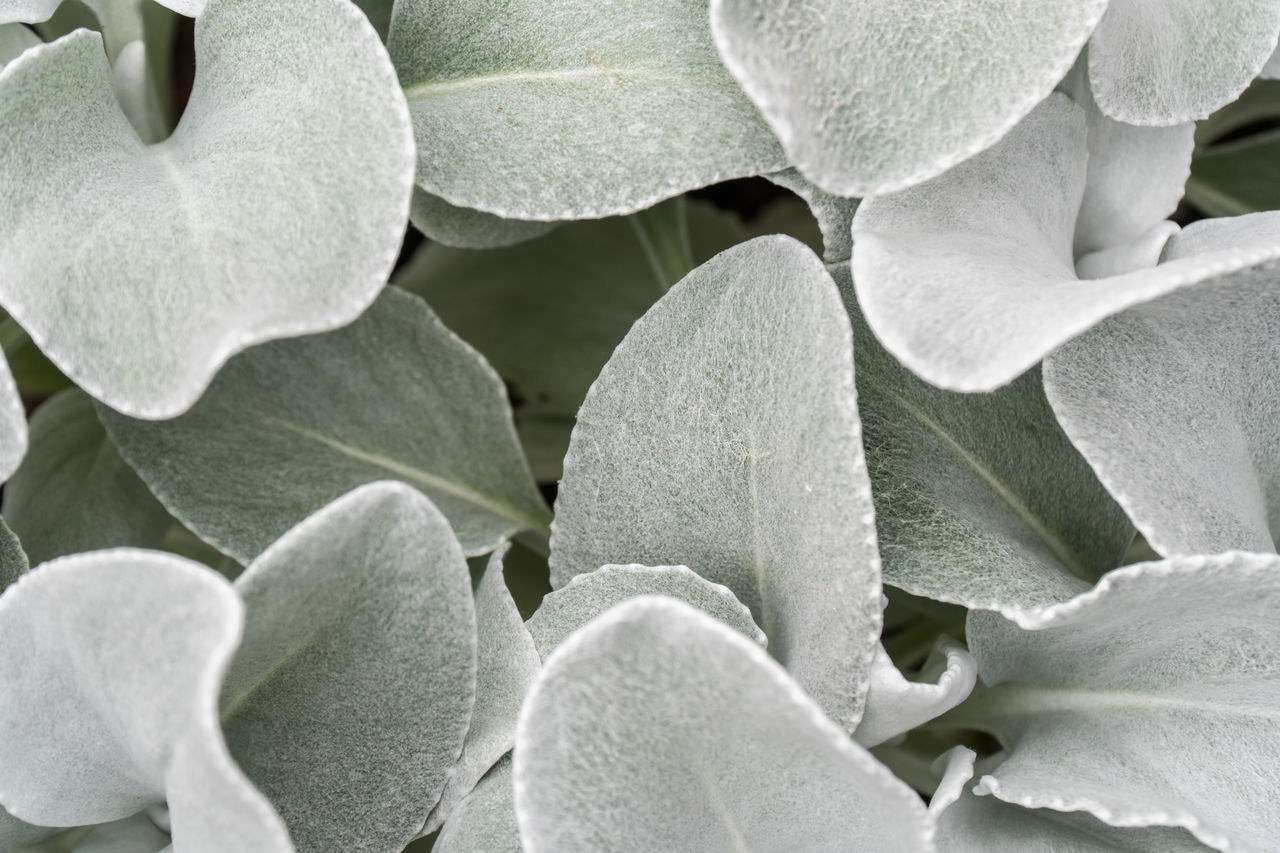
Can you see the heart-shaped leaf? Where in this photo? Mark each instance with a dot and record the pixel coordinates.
(506, 664)
(276, 208)
(723, 435)
(657, 727)
(73, 492)
(292, 425)
(588, 595)
(351, 693)
(870, 97)
(1149, 701)
(1193, 463)
(1159, 62)
(583, 111)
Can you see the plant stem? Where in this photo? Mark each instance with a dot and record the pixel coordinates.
(663, 232)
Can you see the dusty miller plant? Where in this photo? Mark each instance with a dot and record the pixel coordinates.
(932, 507)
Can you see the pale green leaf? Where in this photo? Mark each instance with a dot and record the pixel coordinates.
(1149, 701)
(579, 110)
(17, 835)
(1159, 62)
(547, 314)
(657, 727)
(13, 424)
(588, 595)
(1175, 403)
(73, 492)
(971, 278)
(1237, 177)
(467, 228)
(981, 499)
(485, 820)
(27, 11)
(378, 13)
(870, 97)
(292, 425)
(723, 435)
(972, 824)
(896, 705)
(137, 834)
(506, 664)
(14, 39)
(13, 560)
(834, 214)
(123, 652)
(351, 693)
(275, 209)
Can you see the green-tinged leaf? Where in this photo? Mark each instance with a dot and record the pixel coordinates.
(1149, 701)
(122, 652)
(582, 110)
(13, 560)
(17, 835)
(73, 492)
(290, 426)
(896, 705)
(351, 693)
(378, 13)
(1159, 62)
(27, 11)
(506, 664)
(657, 727)
(870, 97)
(723, 435)
(972, 824)
(137, 834)
(33, 373)
(275, 209)
(13, 424)
(1175, 403)
(981, 500)
(972, 278)
(547, 314)
(14, 39)
(833, 213)
(485, 820)
(1237, 177)
(588, 595)
(467, 228)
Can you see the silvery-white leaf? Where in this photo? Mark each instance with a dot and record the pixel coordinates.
(970, 279)
(834, 213)
(1195, 462)
(506, 664)
(1150, 700)
(467, 228)
(137, 834)
(581, 110)
(1134, 181)
(1167, 61)
(896, 705)
(123, 652)
(870, 97)
(14, 39)
(13, 560)
(657, 727)
(13, 423)
(1271, 70)
(292, 425)
(485, 820)
(981, 499)
(27, 11)
(17, 835)
(588, 595)
(275, 209)
(723, 435)
(73, 492)
(351, 693)
(971, 824)
(547, 314)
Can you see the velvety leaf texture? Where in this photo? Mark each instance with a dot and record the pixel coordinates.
(1196, 464)
(13, 423)
(276, 208)
(657, 727)
(289, 426)
(485, 820)
(73, 492)
(1150, 700)
(871, 97)
(896, 705)
(571, 110)
(13, 560)
(350, 696)
(723, 435)
(467, 228)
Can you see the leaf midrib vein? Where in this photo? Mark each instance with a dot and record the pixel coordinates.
(1017, 699)
(1059, 548)
(431, 88)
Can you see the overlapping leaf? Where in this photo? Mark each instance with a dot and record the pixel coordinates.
(896, 705)
(289, 426)
(579, 110)
(657, 727)
(276, 208)
(723, 435)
